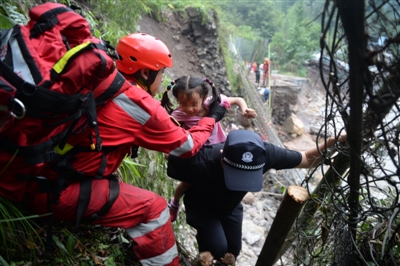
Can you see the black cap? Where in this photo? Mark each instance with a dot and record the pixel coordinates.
(244, 157)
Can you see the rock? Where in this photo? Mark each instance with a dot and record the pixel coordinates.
(254, 233)
(293, 125)
(248, 198)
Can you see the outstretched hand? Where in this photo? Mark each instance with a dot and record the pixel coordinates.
(173, 209)
(332, 140)
(249, 113)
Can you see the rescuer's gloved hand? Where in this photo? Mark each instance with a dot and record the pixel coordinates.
(216, 110)
(173, 209)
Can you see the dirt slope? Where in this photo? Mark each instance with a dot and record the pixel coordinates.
(169, 33)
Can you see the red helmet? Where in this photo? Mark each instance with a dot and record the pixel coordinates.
(140, 50)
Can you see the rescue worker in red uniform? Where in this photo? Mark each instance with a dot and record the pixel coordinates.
(133, 118)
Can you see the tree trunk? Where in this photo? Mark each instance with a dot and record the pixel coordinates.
(290, 207)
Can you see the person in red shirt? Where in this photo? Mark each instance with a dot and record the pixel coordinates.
(88, 189)
(266, 71)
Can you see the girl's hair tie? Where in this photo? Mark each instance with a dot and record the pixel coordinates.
(209, 82)
(170, 86)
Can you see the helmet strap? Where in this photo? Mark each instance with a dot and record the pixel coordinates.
(152, 77)
(146, 83)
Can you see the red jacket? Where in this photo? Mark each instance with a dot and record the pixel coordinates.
(135, 118)
(266, 67)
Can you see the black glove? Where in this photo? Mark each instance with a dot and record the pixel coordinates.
(217, 111)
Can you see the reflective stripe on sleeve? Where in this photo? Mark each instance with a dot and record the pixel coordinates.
(143, 229)
(131, 108)
(165, 258)
(185, 147)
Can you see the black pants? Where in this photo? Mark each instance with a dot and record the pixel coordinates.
(258, 77)
(216, 232)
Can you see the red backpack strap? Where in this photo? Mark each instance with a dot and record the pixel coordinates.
(107, 92)
(72, 25)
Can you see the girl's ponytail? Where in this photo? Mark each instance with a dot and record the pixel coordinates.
(165, 102)
(214, 92)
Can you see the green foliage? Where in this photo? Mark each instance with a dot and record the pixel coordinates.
(148, 171)
(6, 22)
(17, 231)
(232, 76)
(125, 13)
(11, 15)
(260, 15)
(204, 7)
(228, 57)
(295, 42)
(90, 245)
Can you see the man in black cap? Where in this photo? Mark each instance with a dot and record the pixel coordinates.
(221, 175)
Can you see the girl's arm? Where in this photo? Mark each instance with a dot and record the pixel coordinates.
(246, 112)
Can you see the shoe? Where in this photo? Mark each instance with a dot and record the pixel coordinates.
(206, 259)
(228, 259)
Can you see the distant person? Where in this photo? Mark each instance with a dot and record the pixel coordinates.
(222, 174)
(266, 71)
(248, 66)
(253, 67)
(193, 96)
(257, 72)
(266, 94)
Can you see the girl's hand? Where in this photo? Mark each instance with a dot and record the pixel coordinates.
(249, 113)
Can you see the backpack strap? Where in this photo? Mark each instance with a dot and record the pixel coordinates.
(48, 20)
(43, 152)
(85, 195)
(31, 152)
(112, 90)
(114, 193)
(62, 64)
(39, 98)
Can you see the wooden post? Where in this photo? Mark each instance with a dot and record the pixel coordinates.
(287, 213)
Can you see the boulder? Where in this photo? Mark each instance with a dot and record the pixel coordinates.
(293, 125)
